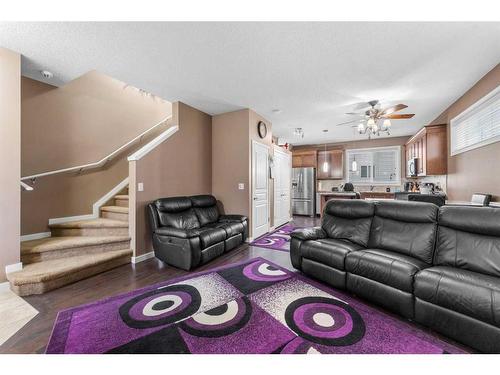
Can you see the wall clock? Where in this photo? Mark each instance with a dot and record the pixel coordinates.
(262, 129)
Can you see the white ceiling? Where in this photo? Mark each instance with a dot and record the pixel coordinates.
(313, 72)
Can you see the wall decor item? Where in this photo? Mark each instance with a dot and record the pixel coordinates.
(250, 307)
(262, 129)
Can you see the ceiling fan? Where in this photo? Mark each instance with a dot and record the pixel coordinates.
(374, 115)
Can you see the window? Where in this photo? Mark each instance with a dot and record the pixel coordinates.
(477, 126)
(375, 166)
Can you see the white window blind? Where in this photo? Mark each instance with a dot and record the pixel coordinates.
(375, 166)
(477, 126)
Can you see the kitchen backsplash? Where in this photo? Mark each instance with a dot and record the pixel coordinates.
(327, 185)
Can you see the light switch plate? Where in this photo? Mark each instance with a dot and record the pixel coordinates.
(140, 186)
(241, 186)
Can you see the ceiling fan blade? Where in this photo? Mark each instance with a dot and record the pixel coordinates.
(395, 108)
(399, 116)
(347, 123)
(356, 114)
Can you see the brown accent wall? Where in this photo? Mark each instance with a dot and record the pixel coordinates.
(232, 137)
(231, 160)
(179, 166)
(10, 158)
(82, 121)
(473, 171)
(74, 194)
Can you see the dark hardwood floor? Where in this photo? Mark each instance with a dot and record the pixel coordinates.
(33, 337)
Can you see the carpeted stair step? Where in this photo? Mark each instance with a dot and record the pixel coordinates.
(115, 213)
(60, 247)
(93, 227)
(121, 200)
(41, 277)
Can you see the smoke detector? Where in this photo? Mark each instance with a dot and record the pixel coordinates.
(46, 74)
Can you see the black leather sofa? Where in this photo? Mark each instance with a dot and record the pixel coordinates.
(190, 231)
(439, 266)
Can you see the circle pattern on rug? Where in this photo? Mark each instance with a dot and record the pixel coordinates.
(262, 271)
(325, 321)
(161, 306)
(271, 241)
(220, 321)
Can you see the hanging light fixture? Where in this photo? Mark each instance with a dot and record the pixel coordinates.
(354, 166)
(325, 163)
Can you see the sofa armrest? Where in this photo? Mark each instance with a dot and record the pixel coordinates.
(175, 232)
(232, 218)
(305, 234)
(153, 217)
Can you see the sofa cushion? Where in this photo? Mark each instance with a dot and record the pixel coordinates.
(205, 207)
(328, 251)
(348, 220)
(231, 218)
(176, 212)
(211, 236)
(231, 228)
(408, 228)
(469, 238)
(387, 267)
(463, 291)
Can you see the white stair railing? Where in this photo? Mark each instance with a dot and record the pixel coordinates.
(97, 164)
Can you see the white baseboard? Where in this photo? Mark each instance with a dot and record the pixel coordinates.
(59, 220)
(95, 207)
(143, 257)
(4, 286)
(13, 267)
(110, 194)
(249, 239)
(35, 236)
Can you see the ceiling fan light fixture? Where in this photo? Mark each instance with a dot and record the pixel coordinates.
(370, 122)
(387, 123)
(361, 128)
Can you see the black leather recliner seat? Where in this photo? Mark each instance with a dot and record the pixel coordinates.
(190, 231)
(439, 266)
(460, 295)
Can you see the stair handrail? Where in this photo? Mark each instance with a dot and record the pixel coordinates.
(97, 164)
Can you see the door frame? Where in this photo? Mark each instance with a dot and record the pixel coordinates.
(278, 150)
(252, 174)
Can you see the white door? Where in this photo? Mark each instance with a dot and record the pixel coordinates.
(260, 190)
(282, 187)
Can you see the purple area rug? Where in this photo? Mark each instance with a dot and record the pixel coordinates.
(276, 240)
(250, 307)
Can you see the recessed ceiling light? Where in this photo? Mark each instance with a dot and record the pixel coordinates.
(276, 110)
(46, 74)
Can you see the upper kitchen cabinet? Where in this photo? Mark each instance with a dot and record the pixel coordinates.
(429, 146)
(301, 159)
(335, 163)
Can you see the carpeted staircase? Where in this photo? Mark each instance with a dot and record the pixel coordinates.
(76, 250)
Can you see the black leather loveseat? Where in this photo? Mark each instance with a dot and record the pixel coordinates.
(190, 231)
(439, 266)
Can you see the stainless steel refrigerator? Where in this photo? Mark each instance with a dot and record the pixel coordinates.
(303, 191)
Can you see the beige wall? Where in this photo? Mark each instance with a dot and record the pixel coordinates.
(10, 157)
(82, 121)
(179, 166)
(74, 194)
(473, 171)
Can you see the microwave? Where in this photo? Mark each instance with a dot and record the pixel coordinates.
(412, 167)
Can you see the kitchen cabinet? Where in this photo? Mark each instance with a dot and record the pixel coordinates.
(302, 159)
(376, 195)
(335, 160)
(429, 145)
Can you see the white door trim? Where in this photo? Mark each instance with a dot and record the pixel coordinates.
(278, 221)
(252, 196)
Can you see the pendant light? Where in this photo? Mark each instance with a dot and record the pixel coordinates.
(325, 163)
(354, 164)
